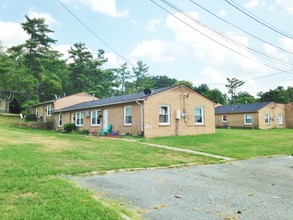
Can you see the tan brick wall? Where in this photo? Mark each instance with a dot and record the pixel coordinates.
(72, 100)
(289, 115)
(273, 110)
(115, 118)
(152, 128)
(237, 120)
(174, 98)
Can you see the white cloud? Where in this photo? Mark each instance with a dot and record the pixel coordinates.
(252, 4)
(134, 22)
(211, 48)
(223, 13)
(158, 51)
(287, 4)
(107, 7)
(63, 49)
(48, 17)
(153, 24)
(113, 60)
(13, 34)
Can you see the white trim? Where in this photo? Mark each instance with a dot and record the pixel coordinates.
(165, 113)
(125, 115)
(223, 118)
(201, 115)
(60, 119)
(49, 110)
(267, 119)
(245, 122)
(97, 112)
(79, 116)
(281, 119)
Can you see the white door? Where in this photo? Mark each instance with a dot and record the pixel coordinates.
(105, 119)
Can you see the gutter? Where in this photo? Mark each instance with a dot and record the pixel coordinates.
(141, 116)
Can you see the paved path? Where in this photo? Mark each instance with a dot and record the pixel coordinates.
(249, 190)
(180, 150)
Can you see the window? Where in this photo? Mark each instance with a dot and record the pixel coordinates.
(248, 119)
(78, 119)
(127, 115)
(60, 120)
(267, 119)
(280, 119)
(96, 117)
(49, 110)
(224, 118)
(164, 115)
(199, 119)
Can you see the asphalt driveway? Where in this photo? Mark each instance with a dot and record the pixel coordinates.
(251, 189)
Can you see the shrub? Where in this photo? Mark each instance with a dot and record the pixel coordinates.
(31, 117)
(69, 127)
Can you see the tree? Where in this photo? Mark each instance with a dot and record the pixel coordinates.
(13, 79)
(280, 95)
(233, 85)
(122, 77)
(141, 77)
(216, 96)
(163, 81)
(202, 89)
(186, 83)
(244, 98)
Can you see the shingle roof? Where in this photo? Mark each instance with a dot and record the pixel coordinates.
(240, 108)
(114, 100)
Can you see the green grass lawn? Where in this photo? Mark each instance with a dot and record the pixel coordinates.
(236, 143)
(31, 162)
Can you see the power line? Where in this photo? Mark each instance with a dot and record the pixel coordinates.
(222, 35)
(93, 33)
(257, 19)
(239, 28)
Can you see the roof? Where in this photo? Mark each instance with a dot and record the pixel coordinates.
(240, 108)
(81, 94)
(115, 100)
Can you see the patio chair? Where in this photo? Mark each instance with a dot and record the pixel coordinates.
(106, 131)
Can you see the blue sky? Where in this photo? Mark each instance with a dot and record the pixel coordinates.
(190, 42)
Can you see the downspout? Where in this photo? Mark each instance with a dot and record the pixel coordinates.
(141, 116)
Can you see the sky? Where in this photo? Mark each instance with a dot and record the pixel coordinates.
(201, 41)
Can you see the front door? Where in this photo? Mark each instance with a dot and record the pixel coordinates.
(105, 119)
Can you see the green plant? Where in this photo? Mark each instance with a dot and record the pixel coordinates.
(69, 127)
(31, 117)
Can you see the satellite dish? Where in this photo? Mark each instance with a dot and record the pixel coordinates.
(147, 92)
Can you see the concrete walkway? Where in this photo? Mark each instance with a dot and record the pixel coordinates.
(180, 149)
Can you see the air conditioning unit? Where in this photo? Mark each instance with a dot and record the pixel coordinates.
(86, 113)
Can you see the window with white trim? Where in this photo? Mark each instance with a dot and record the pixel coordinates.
(127, 115)
(224, 118)
(96, 117)
(199, 115)
(267, 119)
(79, 119)
(60, 120)
(49, 110)
(280, 119)
(164, 115)
(247, 119)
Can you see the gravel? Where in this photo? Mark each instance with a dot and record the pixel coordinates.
(252, 189)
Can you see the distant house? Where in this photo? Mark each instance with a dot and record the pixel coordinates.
(175, 110)
(2, 105)
(45, 110)
(258, 115)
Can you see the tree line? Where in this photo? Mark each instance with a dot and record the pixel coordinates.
(34, 72)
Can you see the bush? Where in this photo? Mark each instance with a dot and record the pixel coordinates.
(31, 117)
(69, 127)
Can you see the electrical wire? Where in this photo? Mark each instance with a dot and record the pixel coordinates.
(257, 19)
(94, 34)
(223, 36)
(239, 28)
